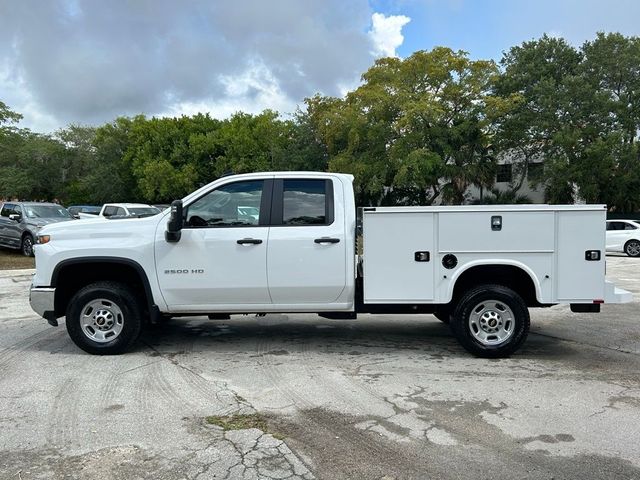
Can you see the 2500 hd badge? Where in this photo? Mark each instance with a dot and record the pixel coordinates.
(184, 270)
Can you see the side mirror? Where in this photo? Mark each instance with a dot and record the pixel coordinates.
(174, 225)
(15, 216)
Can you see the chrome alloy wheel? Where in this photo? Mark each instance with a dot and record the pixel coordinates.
(27, 246)
(633, 248)
(491, 322)
(101, 320)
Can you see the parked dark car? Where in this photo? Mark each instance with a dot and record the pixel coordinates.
(21, 221)
(84, 211)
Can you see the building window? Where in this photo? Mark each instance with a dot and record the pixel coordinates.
(535, 171)
(504, 173)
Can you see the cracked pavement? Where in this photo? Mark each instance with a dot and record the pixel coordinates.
(381, 397)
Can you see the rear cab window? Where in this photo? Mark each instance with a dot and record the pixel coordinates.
(302, 202)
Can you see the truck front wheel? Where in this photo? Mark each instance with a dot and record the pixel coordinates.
(104, 318)
(491, 321)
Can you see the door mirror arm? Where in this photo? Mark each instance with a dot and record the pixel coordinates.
(175, 223)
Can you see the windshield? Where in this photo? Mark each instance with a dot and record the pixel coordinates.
(144, 211)
(46, 211)
(94, 210)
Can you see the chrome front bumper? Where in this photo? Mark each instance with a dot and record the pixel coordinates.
(42, 302)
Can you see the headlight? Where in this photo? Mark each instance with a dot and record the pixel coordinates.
(42, 239)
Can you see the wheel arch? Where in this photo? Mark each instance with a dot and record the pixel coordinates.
(509, 273)
(72, 274)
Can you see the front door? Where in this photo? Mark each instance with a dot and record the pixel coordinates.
(306, 257)
(221, 258)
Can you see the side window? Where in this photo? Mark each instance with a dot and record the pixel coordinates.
(306, 202)
(232, 205)
(628, 226)
(6, 210)
(9, 209)
(618, 226)
(109, 211)
(120, 211)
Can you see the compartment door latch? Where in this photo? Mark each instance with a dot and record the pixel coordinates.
(422, 256)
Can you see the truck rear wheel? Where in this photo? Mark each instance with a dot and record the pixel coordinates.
(491, 321)
(104, 318)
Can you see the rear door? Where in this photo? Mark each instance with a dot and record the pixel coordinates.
(616, 235)
(306, 255)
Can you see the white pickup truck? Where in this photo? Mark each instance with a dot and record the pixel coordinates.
(127, 209)
(286, 242)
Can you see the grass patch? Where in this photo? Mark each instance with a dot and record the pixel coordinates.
(242, 422)
(238, 422)
(13, 259)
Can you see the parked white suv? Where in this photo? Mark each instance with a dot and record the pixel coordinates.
(128, 209)
(623, 236)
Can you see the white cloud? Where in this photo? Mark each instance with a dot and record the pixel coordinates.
(252, 91)
(88, 62)
(386, 33)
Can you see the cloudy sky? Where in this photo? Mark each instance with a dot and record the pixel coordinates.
(86, 61)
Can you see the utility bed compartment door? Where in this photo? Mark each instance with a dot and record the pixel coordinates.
(578, 278)
(396, 246)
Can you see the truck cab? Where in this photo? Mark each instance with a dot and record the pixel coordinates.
(286, 242)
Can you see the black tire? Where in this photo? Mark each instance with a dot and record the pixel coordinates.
(129, 317)
(26, 247)
(504, 299)
(632, 248)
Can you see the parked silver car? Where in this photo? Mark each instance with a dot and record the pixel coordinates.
(21, 221)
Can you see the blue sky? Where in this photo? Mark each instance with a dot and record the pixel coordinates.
(485, 28)
(87, 62)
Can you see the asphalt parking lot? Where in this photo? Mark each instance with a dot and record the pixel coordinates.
(386, 397)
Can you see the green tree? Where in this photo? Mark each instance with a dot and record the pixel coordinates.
(250, 143)
(536, 77)
(578, 110)
(8, 116)
(169, 157)
(416, 129)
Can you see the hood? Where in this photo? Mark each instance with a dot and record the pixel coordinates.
(99, 224)
(41, 222)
